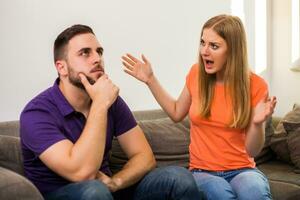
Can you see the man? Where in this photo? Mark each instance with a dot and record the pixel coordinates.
(67, 132)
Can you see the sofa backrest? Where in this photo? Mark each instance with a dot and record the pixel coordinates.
(10, 128)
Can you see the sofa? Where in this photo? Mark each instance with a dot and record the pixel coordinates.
(169, 142)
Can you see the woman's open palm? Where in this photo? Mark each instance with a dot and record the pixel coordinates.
(264, 109)
(141, 70)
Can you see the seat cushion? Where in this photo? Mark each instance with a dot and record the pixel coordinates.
(284, 182)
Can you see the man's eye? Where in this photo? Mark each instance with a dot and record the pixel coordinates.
(84, 53)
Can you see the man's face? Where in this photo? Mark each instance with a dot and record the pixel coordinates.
(84, 55)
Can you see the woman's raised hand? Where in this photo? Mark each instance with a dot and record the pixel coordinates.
(264, 109)
(139, 69)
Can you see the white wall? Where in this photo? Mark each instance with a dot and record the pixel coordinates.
(285, 84)
(167, 31)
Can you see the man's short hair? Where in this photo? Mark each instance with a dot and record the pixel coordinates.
(64, 37)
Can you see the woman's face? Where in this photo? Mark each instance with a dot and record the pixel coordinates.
(213, 51)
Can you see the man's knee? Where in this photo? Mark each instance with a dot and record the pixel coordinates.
(95, 189)
(182, 182)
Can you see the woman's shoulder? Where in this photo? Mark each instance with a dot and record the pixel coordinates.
(194, 69)
(257, 80)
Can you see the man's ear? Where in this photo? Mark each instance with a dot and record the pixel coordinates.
(61, 67)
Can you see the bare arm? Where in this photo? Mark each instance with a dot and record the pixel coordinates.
(141, 160)
(81, 160)
(255, 135)
(177, 109)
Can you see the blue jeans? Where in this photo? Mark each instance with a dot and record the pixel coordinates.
(166, 183)
(239, 184)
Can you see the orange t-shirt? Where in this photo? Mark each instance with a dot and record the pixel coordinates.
(214, 146)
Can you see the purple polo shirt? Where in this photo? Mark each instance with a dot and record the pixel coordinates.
(49, 118)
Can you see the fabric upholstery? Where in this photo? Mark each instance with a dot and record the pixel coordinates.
(293, 142)
(13, 186)
(10, 154)
(279, 140)
(169, 142)
(10, 128)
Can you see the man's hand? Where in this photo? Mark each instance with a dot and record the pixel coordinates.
(103, 91)
(111, 183)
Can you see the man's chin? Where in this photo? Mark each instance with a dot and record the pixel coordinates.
(77, 82)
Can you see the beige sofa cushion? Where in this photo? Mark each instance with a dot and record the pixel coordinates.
(286, 126)
(293, 142)
(169, 142)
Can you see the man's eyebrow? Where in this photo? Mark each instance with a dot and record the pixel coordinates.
(84, 49)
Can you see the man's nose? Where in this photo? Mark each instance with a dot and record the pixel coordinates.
(96, 57)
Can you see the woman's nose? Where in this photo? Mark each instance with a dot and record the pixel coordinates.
(204, 50)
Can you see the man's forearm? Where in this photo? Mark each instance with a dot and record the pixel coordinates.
(87, 152)
(134, 170)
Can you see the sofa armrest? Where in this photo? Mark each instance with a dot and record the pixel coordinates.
(14, 187)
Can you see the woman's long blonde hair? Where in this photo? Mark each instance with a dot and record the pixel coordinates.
(236, 74)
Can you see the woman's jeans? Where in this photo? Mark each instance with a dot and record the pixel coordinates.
(239, 184)
(166, 183)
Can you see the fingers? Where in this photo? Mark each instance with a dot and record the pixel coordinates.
(145, 59)
(273, 101)
(128, 60)
(128, 72)
(84, 80)
(271, 105)
(133, 60)
(132, 57)
(128, 66)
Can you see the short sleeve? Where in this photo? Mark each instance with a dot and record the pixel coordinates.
(122, 116)
(259, 89)
(39, 130)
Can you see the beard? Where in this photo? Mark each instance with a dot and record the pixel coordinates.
(76, 81)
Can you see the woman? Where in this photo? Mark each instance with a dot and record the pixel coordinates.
(227, 105)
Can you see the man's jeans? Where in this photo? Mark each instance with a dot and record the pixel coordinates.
(239, 184)
(166, 183)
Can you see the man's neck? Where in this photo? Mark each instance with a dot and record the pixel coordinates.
(78, 98)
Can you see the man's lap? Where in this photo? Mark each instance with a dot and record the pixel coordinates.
(169, 182)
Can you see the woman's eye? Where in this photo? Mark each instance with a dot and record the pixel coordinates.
(214, 47)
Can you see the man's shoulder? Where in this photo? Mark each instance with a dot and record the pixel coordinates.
(42, 102)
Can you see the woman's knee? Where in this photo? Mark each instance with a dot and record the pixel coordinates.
(251, 185)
